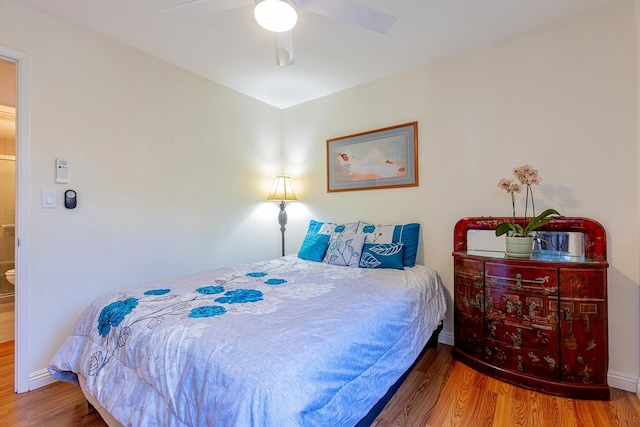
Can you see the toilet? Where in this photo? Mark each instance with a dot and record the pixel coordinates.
(11, 276)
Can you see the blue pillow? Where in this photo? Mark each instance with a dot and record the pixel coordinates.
(408, 234)
(345, 250)
(382, 255)
(314, 247)
(314, 227)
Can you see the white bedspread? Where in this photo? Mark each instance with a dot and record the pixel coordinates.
(285, 342)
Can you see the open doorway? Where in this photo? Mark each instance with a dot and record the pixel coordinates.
(8, 188)
(14, 94)
(7, 199)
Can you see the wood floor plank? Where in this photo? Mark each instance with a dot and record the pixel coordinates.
(439, 391)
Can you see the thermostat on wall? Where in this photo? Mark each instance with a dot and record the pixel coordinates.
(62, 171)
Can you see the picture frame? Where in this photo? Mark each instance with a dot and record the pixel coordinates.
(376, 159)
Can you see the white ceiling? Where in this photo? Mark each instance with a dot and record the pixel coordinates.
(231, 49)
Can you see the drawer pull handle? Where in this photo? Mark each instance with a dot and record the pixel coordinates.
(567, 315)
(516, 338)
(587, 322)
(519, 280)
(519, 308)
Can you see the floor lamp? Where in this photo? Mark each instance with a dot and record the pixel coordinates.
(282, 192)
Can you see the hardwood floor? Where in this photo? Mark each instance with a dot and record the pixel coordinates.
(7, 321)
(56, 405)
(439, 392)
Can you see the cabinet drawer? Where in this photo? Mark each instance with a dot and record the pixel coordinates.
(469, 335)
(583, 322)
(524, 332)
(468, 272)
(533, 362)
(584, 355)
(469, 301)
(528, 279)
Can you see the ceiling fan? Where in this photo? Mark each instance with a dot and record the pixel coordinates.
(286, 11)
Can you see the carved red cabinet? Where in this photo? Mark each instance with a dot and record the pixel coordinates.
(541, 322)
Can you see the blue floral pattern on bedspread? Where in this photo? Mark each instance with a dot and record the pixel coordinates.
(208, 311)
(114, 313)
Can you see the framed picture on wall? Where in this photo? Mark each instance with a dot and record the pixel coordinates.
(381, 158)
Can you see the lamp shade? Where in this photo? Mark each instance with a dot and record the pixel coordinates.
(276, 15)
(281, 190)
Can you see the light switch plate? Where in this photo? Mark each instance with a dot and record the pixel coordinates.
(49, 199)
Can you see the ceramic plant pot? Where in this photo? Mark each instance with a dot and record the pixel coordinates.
(519, 247)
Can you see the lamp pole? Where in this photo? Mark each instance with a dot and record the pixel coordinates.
(282, 220)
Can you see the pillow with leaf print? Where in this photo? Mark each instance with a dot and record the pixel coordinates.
(408, 234)
(344, 249)
(382, 255)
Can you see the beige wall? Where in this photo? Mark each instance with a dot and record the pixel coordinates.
(563, 98)
(171, 170)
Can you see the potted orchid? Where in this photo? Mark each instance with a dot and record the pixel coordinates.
(519, 237)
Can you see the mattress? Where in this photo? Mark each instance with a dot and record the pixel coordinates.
(281, 342)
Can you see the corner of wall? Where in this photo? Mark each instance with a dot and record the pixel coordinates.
(637, 10)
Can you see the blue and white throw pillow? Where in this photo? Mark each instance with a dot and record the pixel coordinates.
(408, 234)
(317, 227)
(382, 255)
(345, 249)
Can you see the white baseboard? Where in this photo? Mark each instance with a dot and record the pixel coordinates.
(623, 381)
(40, 379)
(446, 337)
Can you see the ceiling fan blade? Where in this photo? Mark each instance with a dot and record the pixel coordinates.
(353, 13)
(192, 9)
(284, 48)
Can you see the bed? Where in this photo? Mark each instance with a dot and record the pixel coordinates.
(284, 342)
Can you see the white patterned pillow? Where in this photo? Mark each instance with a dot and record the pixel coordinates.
(334, 228)
(330, 228)
(344, 249)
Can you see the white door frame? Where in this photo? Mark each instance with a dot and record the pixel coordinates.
(23, 121)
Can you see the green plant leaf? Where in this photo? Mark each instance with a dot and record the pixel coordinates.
(505, 227)
(543, 219)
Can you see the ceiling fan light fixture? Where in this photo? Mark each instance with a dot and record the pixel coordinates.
(276, 15)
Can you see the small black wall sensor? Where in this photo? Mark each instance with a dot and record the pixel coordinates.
(70, 199)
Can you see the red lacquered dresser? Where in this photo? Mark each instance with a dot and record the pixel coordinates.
(540, 322)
